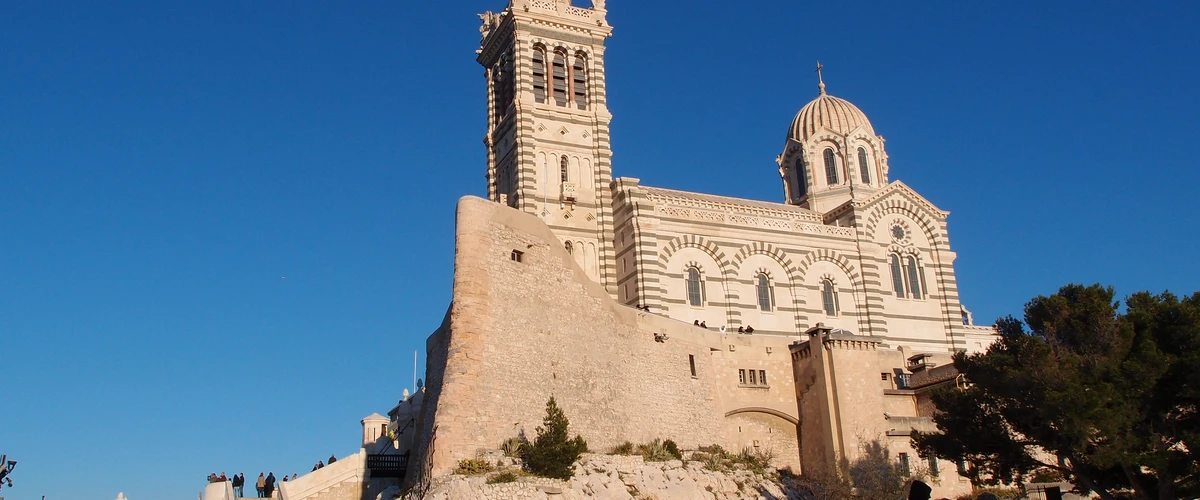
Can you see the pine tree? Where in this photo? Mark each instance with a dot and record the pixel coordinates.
(552, 454)
(1110, 400)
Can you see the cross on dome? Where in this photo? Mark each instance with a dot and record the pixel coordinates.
(820, 79)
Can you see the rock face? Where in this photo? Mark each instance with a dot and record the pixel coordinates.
(612, 477)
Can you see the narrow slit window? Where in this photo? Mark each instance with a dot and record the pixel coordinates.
(693, 287)
(863, 167)
(801, 179)
(764, 293)
(539, 75)
(831, 173)
(829, 298)
(897, 275)
(762, 377)
(562, 169)
(742, 377)
(753, 378)
(692, 363)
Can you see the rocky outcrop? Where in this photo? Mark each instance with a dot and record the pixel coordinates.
(611, 477)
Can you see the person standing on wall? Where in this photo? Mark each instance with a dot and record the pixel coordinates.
(270, 484)
(239, 480)
(332, 459)
(261, 485)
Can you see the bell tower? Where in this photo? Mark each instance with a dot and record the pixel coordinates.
(547, 138)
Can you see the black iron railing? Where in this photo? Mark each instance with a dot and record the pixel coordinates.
(387, 465)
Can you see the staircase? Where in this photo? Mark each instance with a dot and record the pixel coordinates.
(349, 472)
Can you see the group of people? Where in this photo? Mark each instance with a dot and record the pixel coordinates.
(265, 484)
(321, 465)
(741, 329)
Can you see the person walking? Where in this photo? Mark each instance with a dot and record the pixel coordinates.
(239, 480)
(270, 484)
(261, 485)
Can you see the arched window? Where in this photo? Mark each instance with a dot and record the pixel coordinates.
(579, 81)
(801, 179)
(539, 75)
(766, 296)
(562, 169)
(559, 74)
(695, 297)
(916, 279)
(863, 167)
(570, 249)
(897, 275)
(831, 173)
(829, 298)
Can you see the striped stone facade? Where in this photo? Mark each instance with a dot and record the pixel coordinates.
(848, 285)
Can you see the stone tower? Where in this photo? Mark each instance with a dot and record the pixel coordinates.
(548, 123)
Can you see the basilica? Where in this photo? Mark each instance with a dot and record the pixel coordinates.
(810, 325)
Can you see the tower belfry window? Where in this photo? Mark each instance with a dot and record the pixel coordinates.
(562, 170)
(539, 75)
(579, 81)
(559, 74)
(831, 173)
(863, 167)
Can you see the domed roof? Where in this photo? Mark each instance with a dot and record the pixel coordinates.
(830, 112)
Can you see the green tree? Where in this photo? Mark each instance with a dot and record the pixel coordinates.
(552, 453)
(1107, 399)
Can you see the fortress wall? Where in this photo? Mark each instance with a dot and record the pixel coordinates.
(519, 332)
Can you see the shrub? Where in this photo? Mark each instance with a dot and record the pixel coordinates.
(512, 446)
(503, 477)
(673, 449)
(1046, 476)
(655, 451)
(471, 467)
(1001, 493)
(625, 448)
(552, 454)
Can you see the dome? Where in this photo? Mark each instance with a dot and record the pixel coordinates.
(826, 111)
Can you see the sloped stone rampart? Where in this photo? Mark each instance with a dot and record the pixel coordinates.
(620, 478)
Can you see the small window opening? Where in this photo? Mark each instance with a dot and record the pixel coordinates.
(765, 294)
(831, 173)
(863, 166)
(692, 363)
(829, 298)
(518, 256)
(695, 298)
(742, 377)
(883, 376)
(762, 377)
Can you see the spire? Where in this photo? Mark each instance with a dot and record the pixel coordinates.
(820, 79)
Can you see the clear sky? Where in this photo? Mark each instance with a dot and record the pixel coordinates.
(225, 228)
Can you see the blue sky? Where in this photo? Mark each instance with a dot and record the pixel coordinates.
(226, 228)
